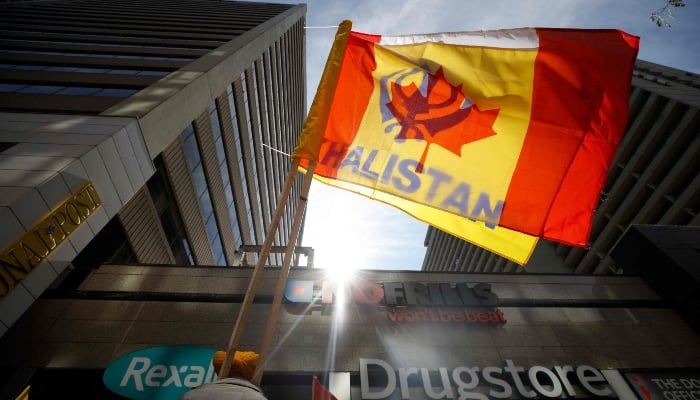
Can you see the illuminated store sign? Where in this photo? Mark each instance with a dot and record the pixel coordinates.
(163, 372)
(379, 380)
(409, 302)
(22, 256)
(675, 385)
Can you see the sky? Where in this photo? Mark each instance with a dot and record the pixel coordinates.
(348, 230)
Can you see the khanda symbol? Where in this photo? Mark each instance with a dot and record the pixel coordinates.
(443, 115)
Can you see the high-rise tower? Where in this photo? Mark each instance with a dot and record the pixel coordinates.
(142, 131)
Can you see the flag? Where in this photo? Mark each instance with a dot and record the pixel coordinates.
(24, 395)
(497, 137)
(320, 392)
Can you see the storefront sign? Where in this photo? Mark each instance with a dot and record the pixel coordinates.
(164, 372)
(672, 385)
(447, 315)
(379, 380)
(408, 302)
(26, 253)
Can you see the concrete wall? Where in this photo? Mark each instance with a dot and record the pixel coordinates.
(53, 156)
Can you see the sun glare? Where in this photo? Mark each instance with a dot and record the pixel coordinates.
(341, 274)
(341, 277)
(339, 246)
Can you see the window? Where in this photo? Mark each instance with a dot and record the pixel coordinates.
(206, 207)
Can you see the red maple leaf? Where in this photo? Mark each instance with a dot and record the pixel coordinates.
(439, 117)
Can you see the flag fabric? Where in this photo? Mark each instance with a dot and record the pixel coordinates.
(320, 392)
(24, 395)
(497, 137)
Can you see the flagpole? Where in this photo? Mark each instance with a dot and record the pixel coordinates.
(284, 272)
(242, 318)
(307, 148)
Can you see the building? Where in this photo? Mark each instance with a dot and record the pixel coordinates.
(469, 335)
(142, 132)
(653, 180)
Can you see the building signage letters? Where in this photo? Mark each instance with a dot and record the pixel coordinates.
(656, 385)
(22, 256)
(447, 315)
(163, 372)
(409, 302)
(379, 380)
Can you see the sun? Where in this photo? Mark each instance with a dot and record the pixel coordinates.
(335, 233)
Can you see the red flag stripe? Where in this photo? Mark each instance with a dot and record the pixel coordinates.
(560, 207)
(356, 85)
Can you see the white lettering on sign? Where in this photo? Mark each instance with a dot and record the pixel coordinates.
(145, 375)
(535, 381)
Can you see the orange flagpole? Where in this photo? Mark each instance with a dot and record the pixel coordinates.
(242, 318)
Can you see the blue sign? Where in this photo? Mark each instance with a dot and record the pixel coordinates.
(298, 291)
(160, 373)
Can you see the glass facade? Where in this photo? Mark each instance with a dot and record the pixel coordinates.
(96, 55)
(225, 176)
(91, 70)
(206, 207)
(239, 161)
(164, 202)
(65, 90)
(252, 165)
